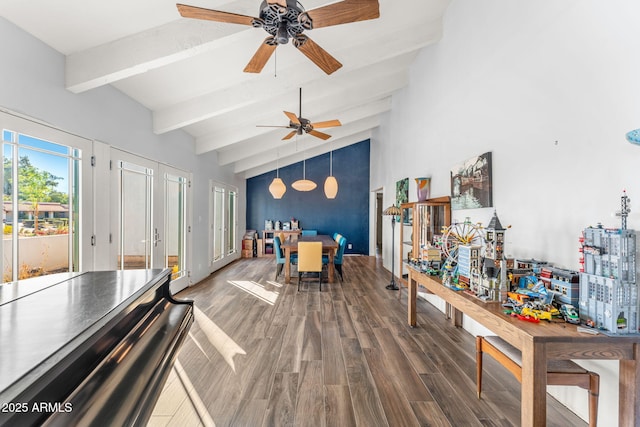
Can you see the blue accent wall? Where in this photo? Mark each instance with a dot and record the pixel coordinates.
(347, 214)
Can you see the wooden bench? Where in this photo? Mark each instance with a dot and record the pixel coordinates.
(559, 372)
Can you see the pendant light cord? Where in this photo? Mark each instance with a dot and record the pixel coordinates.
(331, 163)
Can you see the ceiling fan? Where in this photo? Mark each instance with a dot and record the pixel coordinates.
(287, 19)
(299, 125)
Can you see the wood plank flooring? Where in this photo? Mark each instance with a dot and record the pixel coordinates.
(260, 353)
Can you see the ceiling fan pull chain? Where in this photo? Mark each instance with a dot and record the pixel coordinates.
(275, 64)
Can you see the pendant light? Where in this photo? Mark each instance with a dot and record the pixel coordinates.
(277, 187)
(304, 184)
(331, 183)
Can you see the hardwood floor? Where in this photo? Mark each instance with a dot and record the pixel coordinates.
(260, 353)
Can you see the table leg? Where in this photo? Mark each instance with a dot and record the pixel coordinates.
(412, 296)
(533, 394)
(629, 400)
(287, 265)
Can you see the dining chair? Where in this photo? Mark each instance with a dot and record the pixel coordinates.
(309, 260)
(337, 259)
(280, 259)
(309, 232)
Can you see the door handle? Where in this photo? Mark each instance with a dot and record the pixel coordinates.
(156, 237)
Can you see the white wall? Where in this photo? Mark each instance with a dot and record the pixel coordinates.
(32, 83)
(550, 88)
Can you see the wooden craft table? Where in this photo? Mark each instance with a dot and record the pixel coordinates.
(290, 245)
(539, 342)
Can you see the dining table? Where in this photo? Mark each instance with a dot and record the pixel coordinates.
(290, 246)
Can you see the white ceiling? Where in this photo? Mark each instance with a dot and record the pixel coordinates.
(189, 72)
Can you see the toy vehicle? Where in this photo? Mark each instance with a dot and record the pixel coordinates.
(538, 314)
(569, 314)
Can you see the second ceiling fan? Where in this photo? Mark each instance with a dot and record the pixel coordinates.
(287, 19)
(301, 125)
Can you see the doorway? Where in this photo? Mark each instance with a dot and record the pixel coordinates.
(150, 219)
(223, 223)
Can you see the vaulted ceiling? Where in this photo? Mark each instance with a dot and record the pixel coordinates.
(189, 72)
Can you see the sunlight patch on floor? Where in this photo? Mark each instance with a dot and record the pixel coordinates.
(217, 337)
(197, 402)
(197, 343)
(256, 289)
(179, 404)
(276, 284)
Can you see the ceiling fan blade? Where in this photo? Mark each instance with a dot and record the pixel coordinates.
(319, 134)
(318, 55)
(292, 117)
(290, 135)
(282, 3)
(344, 12)
(213, 15)
(260, 58)
(327, 124)
(270, 126)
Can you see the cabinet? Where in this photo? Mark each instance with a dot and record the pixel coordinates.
(420, 226)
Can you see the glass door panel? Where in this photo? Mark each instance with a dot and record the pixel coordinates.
(136, 221)
(218, 223)
(231, 223)
(43, 216)
(223, 221)
(132, 197)
(172, 249)
(174, 223)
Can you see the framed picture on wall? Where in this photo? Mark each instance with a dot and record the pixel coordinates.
(402, 191)
(471, 185)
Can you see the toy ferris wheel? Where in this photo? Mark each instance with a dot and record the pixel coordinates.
(460, 233)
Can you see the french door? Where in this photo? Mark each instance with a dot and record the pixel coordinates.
(223, 220)
(150, 216)
(47, 205)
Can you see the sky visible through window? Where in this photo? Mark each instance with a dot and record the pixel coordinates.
(48, 161)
